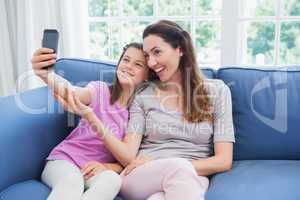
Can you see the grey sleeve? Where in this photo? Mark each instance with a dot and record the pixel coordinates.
(136, 122)
(223, 122)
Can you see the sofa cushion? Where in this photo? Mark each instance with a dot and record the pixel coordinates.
(31, 189)
(257, 179)
(31, 125)
(81, 71)
(265, 112)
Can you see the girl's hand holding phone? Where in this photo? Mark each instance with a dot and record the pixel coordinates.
(42, 58)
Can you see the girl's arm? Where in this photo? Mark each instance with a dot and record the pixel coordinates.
(220, 162)
(44, 57)
(124, 151)
(116, 167)
(94, 167)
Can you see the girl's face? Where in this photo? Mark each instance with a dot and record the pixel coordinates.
(162, 58)
(132, 69)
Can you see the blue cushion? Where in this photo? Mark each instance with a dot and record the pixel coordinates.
(30, 128)
(257, 179)
(81, 71)
(31, 189)
(265, 112)
(208, 72)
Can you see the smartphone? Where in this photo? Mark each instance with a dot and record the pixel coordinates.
(50, 40)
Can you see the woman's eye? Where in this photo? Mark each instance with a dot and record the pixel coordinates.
(126, 59)
(157, 52)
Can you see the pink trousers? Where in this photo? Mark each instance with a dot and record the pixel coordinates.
(164, 179)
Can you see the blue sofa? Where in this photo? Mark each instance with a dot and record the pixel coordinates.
(266, 103)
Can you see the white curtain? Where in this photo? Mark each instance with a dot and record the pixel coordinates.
(21, 29)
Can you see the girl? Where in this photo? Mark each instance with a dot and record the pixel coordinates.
(81, 167)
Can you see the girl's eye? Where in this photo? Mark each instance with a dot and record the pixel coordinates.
(126, 59)
(139, 65)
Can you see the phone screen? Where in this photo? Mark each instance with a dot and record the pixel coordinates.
(50, 39)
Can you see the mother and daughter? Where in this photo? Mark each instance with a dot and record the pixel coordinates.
(161, 119)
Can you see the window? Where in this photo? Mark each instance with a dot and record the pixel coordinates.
(113, 23)
(256, 32)
(270, 32)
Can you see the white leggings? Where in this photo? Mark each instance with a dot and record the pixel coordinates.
(67, 183)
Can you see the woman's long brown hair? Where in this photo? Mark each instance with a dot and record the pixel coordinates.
(196, 102)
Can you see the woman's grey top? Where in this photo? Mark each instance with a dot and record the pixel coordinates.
(166, 134)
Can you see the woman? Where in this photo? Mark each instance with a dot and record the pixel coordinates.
(180, 129)
(81, 161)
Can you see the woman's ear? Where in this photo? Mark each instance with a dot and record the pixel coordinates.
(178, 49)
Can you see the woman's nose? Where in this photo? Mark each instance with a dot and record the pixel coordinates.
(151, 62)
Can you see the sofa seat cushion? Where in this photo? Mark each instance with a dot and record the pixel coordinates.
(257, 179)
(32, 189)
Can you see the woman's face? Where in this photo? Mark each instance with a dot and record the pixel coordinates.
(162, 58)
(132, 69)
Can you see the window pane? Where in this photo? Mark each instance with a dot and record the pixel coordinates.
(113, 8)
(186, 25)
(260, 42)
(99, 40)
(132, 31)
(115, 41)
(98, 8)
(174, 7)
(292, 7)
(208, 7)
(290, 43)
(138, 7)
(208, 37)
(256, 8)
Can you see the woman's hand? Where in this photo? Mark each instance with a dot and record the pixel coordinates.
(42, 58)
(136, 163)
(92, 168)
(72, 103)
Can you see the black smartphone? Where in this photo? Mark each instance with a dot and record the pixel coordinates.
(50, 40)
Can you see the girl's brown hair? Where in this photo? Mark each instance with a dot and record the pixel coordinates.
(116, 89)
(196, 102)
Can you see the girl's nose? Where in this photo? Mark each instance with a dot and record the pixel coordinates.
(129, 67)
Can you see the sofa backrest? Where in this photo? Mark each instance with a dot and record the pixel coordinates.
(265, 103)
(82, 71)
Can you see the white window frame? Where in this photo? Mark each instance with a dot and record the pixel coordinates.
(234, 47)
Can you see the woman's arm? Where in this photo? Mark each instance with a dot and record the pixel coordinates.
(220, 162)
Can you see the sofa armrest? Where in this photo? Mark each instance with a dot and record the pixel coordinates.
(31, 124)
